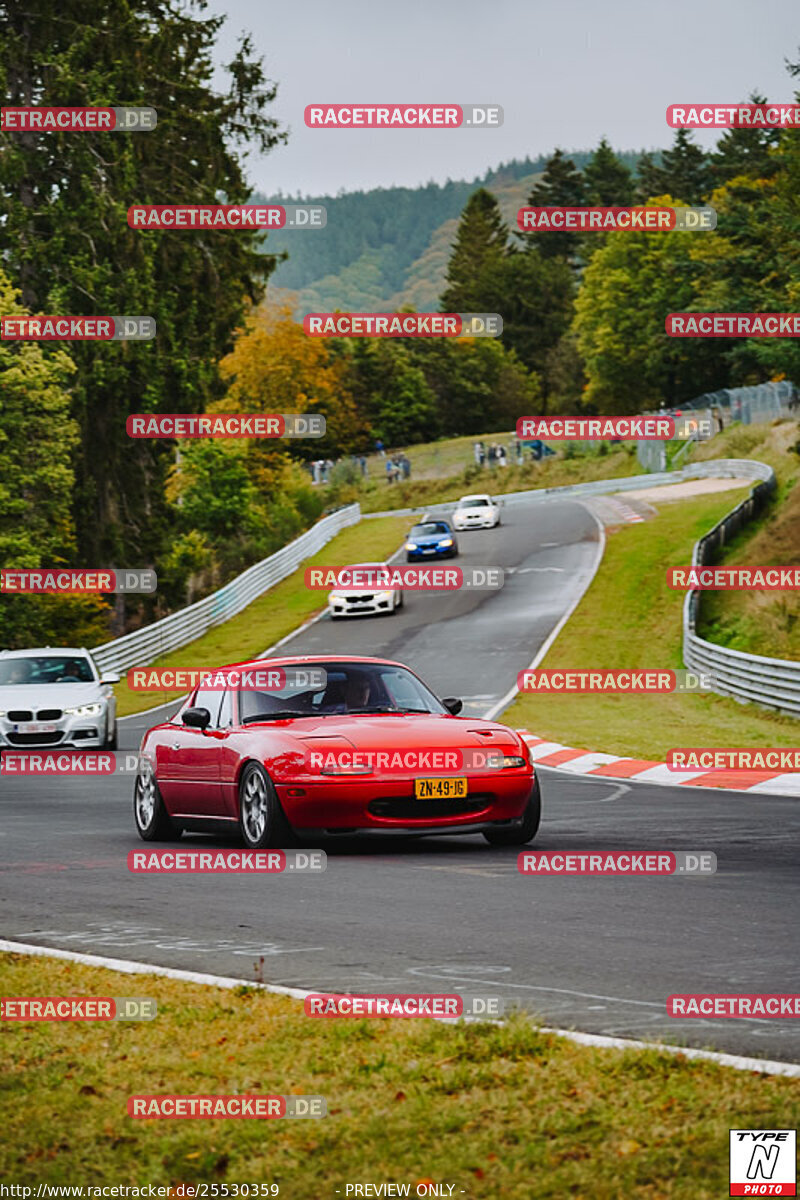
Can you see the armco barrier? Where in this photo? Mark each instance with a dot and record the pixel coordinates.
(179, 628)
(732, 468)
(774, 682)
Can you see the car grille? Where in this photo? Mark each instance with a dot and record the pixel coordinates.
(20, 714)
(34, 739)
(49, 714)
(367, 596)
(408, 808)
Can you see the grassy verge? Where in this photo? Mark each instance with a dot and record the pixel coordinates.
(494, 1110)
(273, 615)
(629, 618)
(377, 495)
(762, 622)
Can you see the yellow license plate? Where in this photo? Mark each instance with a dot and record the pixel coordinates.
(440, 789)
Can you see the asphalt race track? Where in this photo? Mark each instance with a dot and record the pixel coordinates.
(448, 914)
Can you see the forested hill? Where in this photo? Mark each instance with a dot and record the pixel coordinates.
(388, 247)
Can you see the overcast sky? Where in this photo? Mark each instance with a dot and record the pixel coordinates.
(566, 72)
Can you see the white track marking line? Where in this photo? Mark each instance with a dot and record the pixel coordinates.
(514, 691)
(763, 1065)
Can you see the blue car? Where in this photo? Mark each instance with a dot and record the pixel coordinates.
(431, 539)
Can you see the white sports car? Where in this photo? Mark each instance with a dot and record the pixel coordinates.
(56, 696)
(476, 512)
(352, 602)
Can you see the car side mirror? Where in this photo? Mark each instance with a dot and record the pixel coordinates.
(453, 705)
(197, 718)
(110, 678)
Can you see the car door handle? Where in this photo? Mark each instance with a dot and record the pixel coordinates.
(175, 746)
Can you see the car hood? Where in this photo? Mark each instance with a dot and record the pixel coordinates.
(48, 695)
(398, 732)
(428, 539)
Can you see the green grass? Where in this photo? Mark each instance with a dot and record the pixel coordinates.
(765, 623)
(630, 618)
(378, 495)
(498, 1111)
(272, 616)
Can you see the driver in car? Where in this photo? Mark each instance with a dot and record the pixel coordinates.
(359, 690)
(71, 673)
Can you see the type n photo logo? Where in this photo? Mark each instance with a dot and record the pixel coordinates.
(763, 1162)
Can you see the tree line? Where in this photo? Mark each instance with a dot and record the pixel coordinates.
(583, 316)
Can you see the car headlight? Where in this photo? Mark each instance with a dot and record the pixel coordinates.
(84, 710)
(446, 542)
(411, 545)
(387, 595)
(498, 762)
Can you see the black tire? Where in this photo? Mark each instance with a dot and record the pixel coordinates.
(112, 737)
(153, 822)
(262, 823)
(526, 830)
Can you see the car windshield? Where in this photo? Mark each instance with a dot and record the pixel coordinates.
(474, 503)
(46, 670)
(351, 688)
(429, 527)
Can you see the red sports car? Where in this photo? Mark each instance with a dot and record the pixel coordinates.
(371, 749)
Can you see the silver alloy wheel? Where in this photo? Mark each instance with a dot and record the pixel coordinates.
(254, 806)
(145, 799)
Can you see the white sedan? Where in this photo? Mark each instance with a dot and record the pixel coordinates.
(354, 601)
(476, 512)
(56, 697)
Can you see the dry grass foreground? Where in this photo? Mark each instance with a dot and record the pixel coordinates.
(495, 1110)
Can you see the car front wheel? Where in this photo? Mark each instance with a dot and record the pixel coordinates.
(526, 830)
(153, 822)
(261, 818)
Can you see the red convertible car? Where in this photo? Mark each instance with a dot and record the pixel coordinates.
(371, 750)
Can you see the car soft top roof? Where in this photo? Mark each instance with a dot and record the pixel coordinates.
(67, 651)
(308, 659)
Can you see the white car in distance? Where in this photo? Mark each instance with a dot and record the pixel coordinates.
(358, 601)
(476, 512)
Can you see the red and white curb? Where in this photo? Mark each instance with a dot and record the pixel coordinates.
(613, 511)
(642, 770)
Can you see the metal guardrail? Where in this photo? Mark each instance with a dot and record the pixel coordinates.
(179, 628)
(731, 468)
(751, 405)
(773, 682)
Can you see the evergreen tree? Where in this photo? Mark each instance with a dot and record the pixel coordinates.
(66, 241)
(480, 244)
(608, 181)
(534, 296)
(561, 185)
(746, 151)
(686, 170)
(650, 179)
